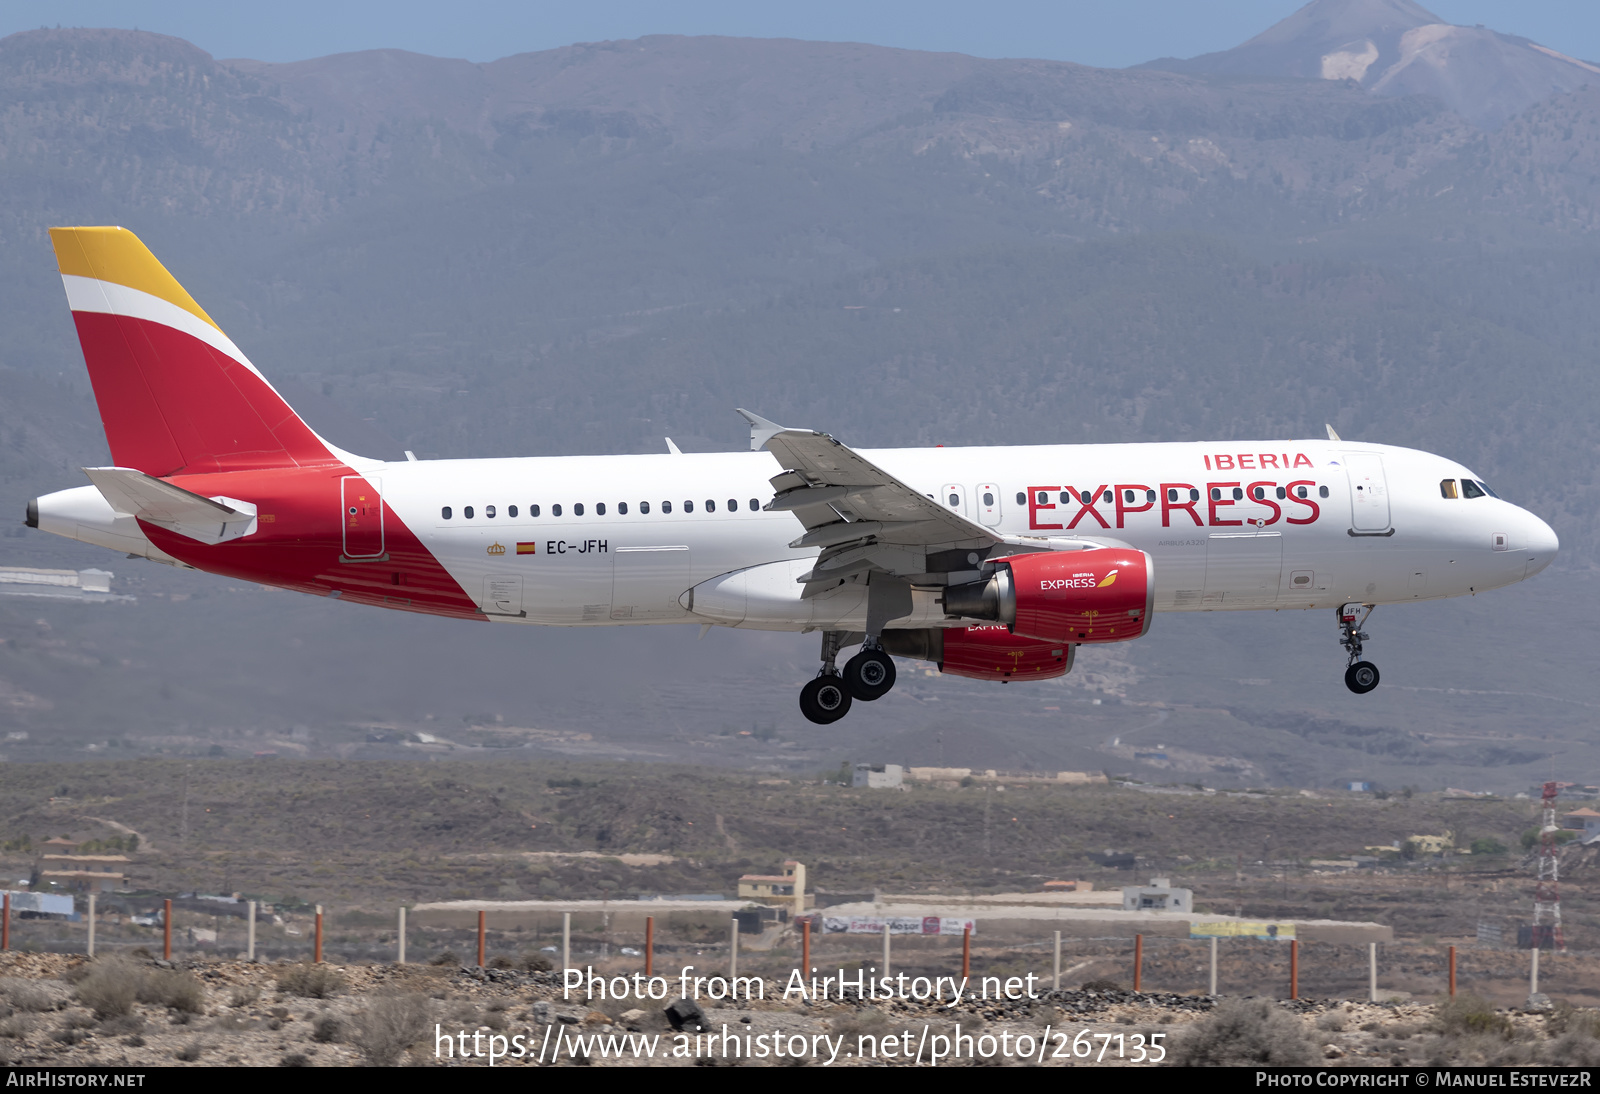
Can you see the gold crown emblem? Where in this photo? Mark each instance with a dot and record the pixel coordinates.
(496, 549)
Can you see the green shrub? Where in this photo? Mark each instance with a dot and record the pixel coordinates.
(176, 989)
(389, 1025)
(111, 988)
(1488, 845)
(1469, 1013)
(1245, 1032)
(311, 981)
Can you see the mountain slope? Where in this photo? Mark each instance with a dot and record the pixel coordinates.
(1396, 47)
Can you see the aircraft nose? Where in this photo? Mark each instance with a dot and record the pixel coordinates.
(1540, 544)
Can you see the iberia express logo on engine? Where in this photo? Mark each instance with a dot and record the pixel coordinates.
(1077, 581)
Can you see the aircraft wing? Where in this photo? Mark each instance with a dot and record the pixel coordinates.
(862, 517)
(206, 520)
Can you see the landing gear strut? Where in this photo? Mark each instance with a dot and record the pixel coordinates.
(1361, 676)
(869, 674)
(826, 699)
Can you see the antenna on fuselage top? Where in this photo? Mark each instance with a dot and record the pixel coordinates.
(1332, 436)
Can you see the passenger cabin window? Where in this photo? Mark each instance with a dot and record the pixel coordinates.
(666, 507)
(1022, 497)
(488, 511)
(711, 506)
(988, 498)
(1447, 489)
(622, 508)
(644, 508)
(577, 510)
(1259, 493)
(1216, 493)
(1127, 497)
(1322, 491)
(533, 510)
(955, 500)
(1470, 489)
(600, 509)
(1300, 492)
(555, 510)
(511, 510)
(1065, 497)
(1238, 493)
(688, 507)
(733, 505)
(445, 512)
(1282, 493)
(755, 505)
(466, 511)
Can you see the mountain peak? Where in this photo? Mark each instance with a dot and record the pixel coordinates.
(1397, 47)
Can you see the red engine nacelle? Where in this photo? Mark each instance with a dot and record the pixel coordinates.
(994, 653)
(1101, 595)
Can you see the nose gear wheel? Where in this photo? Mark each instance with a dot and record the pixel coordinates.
(1360, 676)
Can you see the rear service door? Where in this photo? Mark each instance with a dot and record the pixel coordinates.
(362, 517)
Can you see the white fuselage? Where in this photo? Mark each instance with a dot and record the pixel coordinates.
(1374, 527)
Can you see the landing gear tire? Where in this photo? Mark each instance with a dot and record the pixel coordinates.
(869, 675)
(1361, 677)
(825, 700)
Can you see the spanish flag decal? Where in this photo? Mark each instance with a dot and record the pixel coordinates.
(527, 548)
(1108, 579)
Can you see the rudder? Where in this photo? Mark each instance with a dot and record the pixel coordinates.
(175, 394)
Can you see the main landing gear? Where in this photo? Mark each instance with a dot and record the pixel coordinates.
(867, 676)
(1362, 676)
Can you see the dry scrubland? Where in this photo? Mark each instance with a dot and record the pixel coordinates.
(64, 1011)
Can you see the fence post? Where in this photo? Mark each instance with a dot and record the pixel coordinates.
(5, 924)
(481, 926)
(1372, 972)
(649, 946)
(1138, 960)
(566, 941)
(91, 924)
(166, 930)
(1055, 982)
(250, 931)
(1294, 968)
(805, 947)
(316, 948)
(400, 957)
(1533, 973)
(1452, 970)
(733, 949)
(1213, 990)
(966, 952)
(886, 949)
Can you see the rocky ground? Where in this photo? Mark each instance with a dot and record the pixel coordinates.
(63, 1010)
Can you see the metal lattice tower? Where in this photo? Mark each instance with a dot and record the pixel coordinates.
(1546, 895)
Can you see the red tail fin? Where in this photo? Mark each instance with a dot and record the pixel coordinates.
(175, 394)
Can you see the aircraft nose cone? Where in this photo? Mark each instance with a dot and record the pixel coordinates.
(1541, 545)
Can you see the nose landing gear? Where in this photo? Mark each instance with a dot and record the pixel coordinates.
(1361, 676)
(867, 676)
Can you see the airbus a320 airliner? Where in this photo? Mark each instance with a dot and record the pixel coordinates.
(996, 563)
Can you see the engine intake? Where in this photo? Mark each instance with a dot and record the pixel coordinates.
(1102, 595)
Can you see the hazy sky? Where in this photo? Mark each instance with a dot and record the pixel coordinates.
(1087, 31)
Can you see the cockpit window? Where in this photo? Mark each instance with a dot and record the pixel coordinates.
(1447, 489)
(1471, 489)
(1487, 489)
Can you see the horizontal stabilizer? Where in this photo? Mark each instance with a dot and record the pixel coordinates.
(155, 501)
